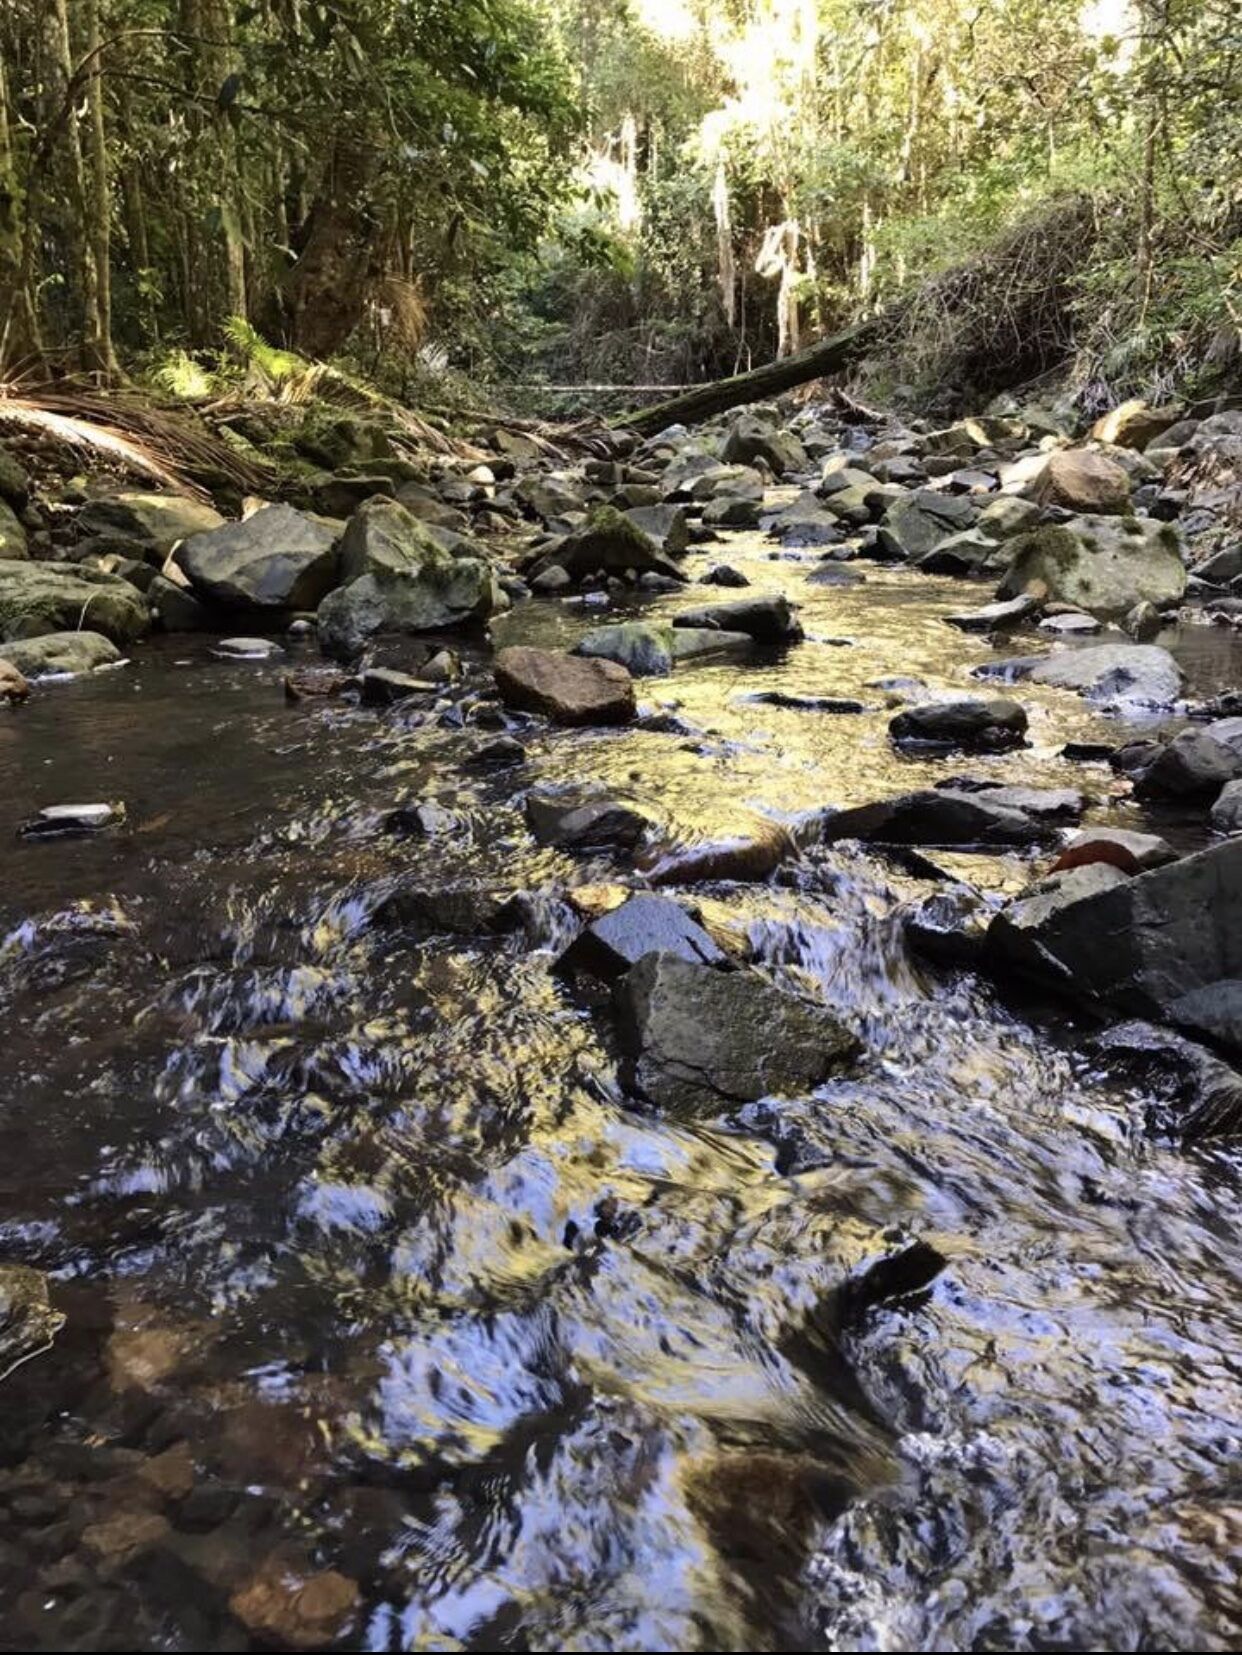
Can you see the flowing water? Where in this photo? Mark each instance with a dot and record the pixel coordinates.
(368, 1264)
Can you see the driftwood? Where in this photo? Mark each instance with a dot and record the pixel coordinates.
(829, 356)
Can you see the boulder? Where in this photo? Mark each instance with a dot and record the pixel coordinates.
(936, 817)
(567, 688)
(805, 522)
(724, 574)
(13, 543)
(694, 1037)
(1081, 480)
(611, 544)
(767, 617)
(176, 609)
(1111, 675)
(916, 523)
(643, 648)
(60, 652)
(968, 725)
(643, 924)
(1195, 764)
(1227, 811)
(1165, 944)
(341, 496)
(37, 598)
(1044, 804)
(14, 483)
(1104, 565)
(667, 525)
(730, 511)
(383, 538)
(147, 525)
(411, 585)
(278, 558)
(751, 438)
(1134, 424)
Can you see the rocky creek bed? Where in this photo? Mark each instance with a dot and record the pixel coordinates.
(495, 1182)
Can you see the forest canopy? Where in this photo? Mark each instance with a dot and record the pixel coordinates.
(621, 191)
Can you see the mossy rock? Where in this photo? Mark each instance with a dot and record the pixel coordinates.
(1099, 564)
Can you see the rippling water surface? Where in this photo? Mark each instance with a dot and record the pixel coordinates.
(369, 1265)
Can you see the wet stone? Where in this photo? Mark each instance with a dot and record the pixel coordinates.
(969, 725)
(246, 649)
(694, 1037)
(724, 574)
(382, 686)
(937, 816)
(768, 618)
(1121, 848)
(291, 1606)
(574, 822)
(569, 689)
(72, 821)
(617, 940)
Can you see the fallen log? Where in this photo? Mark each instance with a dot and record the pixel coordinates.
(829, 356)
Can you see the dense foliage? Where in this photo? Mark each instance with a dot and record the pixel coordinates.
(623, 190)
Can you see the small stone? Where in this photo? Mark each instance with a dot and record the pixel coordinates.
(724, 574)
(64, 821)
(246, 649)
(382, 686)
(119, 1541)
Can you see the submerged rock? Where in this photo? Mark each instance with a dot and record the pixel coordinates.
(296, 1607)
(576, 818)
(28, 1323)
(641, 925)
(60, 652)
(1189, 1092)
(752, 853)
(569, 689)
(694, 1036)
(246, 649)
(278, 558)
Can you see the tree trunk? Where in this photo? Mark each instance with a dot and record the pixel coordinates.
(325, 291)
(99, 326)
(829, 356)
(62, 60)
(19, 327)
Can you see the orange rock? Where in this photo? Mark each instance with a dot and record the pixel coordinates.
(13, 687)
(302, 1611)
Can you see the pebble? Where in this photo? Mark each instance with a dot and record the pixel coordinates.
(246, 649)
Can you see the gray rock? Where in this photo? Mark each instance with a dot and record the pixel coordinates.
(1165, 944)
(574, 818)
(694, 1037)
(147, 525)
(429, 592)
(551, 580)
(995, 617)
(1195, 764)
(730, 512)
(643, 648)
(59, 652)
(1227, 811)
(968, 725)
(1114, 675)
(611, 544)
(37, 598)
(382, 686)
(642, 924)
(751, 438)
(1122, 848)
(724, 574)
(1074, 624)
(667, 525)
(916, 523)
(1104, 565)
(278, 558)
(341, 496)
(936, 817)
(246, 649)
(806, 522)
(72, 821)
(767, 617)
(176, 609)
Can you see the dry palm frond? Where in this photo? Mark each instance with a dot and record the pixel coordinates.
(172, 448)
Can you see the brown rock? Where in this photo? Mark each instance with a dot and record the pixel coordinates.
(1133, 424)
(13, 687)
(751, 854)
(170, 1474)
(1081, 480)
(119, 1540)
(302, 1611)
(569, 689)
